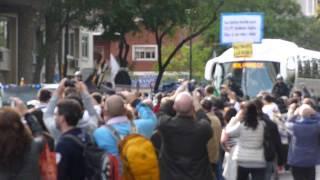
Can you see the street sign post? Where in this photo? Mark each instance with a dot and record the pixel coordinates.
(241, 28)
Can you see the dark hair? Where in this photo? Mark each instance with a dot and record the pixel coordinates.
(209, 89)
(71, 110)
(299, 93)
(258, 104)
(217, 103)
(268, 98)
(44, 95)
(231, 112)
(206, 104)
(251, 116)
(78, 99)
(293, 101)
(97, 97)
(39, 116)
(15, 140)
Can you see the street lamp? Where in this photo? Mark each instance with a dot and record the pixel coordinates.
(188, 12)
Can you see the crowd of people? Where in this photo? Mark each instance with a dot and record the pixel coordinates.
(200, 134)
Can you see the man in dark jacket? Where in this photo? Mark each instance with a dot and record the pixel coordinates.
(185, 136)
(280, 88)
(233, 86)
(71, 163)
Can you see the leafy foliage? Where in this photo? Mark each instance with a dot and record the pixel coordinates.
(165, 16)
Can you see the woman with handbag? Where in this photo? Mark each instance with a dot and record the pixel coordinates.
(249, 152)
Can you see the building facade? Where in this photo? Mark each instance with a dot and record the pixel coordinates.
(143, 54)
(309, 7)
(22, 31)
(80, 49)
(19, 22)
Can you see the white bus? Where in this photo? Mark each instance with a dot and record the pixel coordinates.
(299, 67)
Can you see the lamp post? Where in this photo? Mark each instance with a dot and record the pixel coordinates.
(188, 12)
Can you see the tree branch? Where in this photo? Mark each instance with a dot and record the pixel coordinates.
(166, 31)
(193, 35)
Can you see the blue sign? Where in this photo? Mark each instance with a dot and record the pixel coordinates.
(241, 27)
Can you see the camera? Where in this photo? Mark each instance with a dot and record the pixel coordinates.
(70, 83)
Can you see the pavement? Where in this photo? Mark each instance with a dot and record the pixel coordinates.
(287, 175)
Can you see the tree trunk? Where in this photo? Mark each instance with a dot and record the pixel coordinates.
(66, 50)
(26, 46)
(38, 68)
(123, 52)
(40, 58)
(159, 77)
(52, 37)
(126, 51)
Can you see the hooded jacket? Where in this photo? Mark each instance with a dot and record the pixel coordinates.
(304, 148)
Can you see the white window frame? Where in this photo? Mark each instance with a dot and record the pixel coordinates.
(73, 54)
(134, 47)
(84, 56)
(5, 33)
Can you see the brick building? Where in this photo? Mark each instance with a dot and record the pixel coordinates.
(143, 52)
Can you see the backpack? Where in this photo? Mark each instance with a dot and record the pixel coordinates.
(100, 165)
(268, 144)
(138, 156)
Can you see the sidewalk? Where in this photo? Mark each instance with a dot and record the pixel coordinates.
(287, 175)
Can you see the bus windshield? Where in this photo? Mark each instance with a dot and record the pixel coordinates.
(252, 76)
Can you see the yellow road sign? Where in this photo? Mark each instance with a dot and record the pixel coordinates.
(242, 50)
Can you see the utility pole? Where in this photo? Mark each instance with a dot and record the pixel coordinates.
(189, 13)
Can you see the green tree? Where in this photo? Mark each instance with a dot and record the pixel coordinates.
(118, 19)
(180, 62)
(165, 17)
(283, 19)
(309, 37)
(58, 15)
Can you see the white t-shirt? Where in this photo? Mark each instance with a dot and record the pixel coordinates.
(270, 109)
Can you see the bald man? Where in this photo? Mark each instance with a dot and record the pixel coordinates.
(185, 136)
(304, 149)
(115, 116)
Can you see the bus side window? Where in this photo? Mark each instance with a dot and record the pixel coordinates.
(307, 69)
(300, 69)
(315, 73)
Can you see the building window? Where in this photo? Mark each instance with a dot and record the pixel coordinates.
(85, 46)
(4, 40)
(144, 52)
(72, 44)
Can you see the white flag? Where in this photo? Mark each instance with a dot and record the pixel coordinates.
(114, 66)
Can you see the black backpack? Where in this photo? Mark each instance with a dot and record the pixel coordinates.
(100, 165)
(268, 143)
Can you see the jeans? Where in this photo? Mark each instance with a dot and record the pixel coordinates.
(256, 173)
(303, 173)
(219, 168)
(271, 171)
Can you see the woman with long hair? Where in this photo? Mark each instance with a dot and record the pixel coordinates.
(249, 152)
(19, 152)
